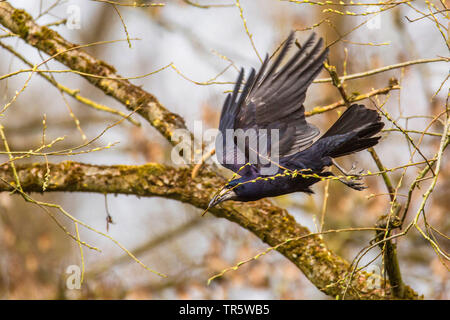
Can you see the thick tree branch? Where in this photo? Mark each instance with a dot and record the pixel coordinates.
(271, 224)
(133, 97)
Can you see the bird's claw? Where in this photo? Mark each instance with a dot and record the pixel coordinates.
(353, 178)
(354, 172)
(354, 183)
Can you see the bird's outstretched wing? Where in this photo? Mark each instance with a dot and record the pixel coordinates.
(272, 99)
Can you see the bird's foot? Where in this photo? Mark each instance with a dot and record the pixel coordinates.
(353, 172)
(352, 178)
(353, 183)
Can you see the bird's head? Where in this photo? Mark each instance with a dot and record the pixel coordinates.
(227, 193)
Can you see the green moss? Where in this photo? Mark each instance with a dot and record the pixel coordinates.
(44, 33)
(67, 165)
(73, 60)
(150, 169)
(20, 18)
(47, 32)
(48, 46)
(104, 64)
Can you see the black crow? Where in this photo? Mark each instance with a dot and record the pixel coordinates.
(273, 99)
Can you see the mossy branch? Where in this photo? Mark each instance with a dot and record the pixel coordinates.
(49, 41)
(271, 224)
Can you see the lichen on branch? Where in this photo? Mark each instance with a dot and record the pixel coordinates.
(271, 224)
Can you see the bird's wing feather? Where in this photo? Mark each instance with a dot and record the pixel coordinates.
(228, 154)
(273, 99)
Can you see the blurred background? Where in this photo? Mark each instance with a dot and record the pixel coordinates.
(206, 41)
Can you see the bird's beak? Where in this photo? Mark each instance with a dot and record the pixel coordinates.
(225, 194)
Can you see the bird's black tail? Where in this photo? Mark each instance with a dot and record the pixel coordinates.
(353, 131)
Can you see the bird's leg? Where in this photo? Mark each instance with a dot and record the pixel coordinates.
(354, 184)
(352, 178)
(352, 172)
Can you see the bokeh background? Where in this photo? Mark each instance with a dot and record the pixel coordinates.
(172, 237)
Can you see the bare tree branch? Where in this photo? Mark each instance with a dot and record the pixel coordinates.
(71, 55)
(271, 224)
